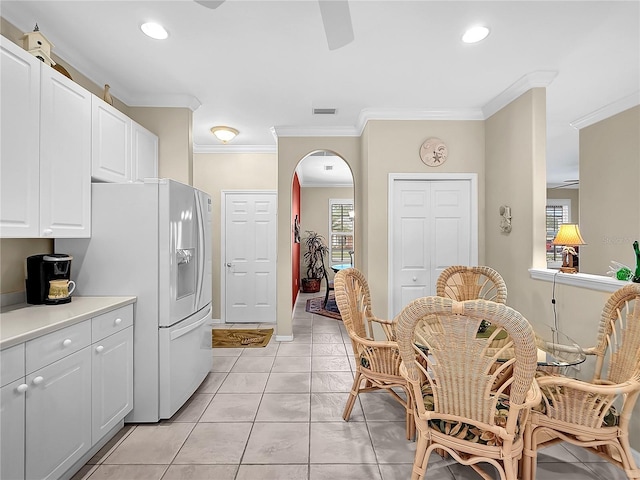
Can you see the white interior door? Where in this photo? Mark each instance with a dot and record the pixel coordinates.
(433, 224)
(249, 257)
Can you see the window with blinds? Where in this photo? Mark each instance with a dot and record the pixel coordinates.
(340, 231)
(556, 215)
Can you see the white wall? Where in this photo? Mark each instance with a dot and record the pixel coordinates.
(215, 172)
(610, 191)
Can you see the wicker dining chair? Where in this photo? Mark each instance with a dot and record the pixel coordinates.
(377, 361)
(460, 282)
(452, 378)
(596, 414)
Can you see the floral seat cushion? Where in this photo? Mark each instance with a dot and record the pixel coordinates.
(466, 431)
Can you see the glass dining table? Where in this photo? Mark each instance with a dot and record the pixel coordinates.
(342, 266)
(555, 349)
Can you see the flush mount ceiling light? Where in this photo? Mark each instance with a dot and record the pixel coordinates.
(224, 134)
(154, 30)
(475, 34)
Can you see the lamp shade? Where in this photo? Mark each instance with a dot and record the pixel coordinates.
(224, 134)
(569, 235)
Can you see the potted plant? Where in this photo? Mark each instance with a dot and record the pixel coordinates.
(314, 261)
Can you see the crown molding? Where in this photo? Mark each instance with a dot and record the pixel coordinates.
(177, 100)
(607, 111)
(377, 114)
(291, 131)
(368, 114)
(200, 148)
(523, 84)
(131, 99)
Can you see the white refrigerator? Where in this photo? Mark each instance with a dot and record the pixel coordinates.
(153, 240)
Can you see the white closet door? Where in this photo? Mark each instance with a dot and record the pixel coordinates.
(432, 228)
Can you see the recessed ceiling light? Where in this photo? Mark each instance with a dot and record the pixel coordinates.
(154, 30)
(475, 34)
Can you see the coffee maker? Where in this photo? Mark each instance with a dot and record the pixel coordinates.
(48, 279)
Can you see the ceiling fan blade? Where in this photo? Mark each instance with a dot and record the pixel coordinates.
(336, 18)
(210, 3)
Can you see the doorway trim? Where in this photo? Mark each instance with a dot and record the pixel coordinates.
(472, 178)
(223, 251)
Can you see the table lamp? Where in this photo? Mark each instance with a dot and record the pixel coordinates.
(569, 237)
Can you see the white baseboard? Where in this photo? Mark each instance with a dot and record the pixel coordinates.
(284, 338)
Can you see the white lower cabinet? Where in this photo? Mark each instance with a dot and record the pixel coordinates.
(12, 394)
(62, 393)
(112, 381)
(12, 430)
(58, 416)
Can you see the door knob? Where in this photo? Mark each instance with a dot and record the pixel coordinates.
(23, 387)
(99, 348)
(229, 264)
(38, 380)
(66, 343)
(415, 279)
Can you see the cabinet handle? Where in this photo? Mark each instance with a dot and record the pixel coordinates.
(99, 348)
(118, 321)
(22, 388)
(38, 380)
(66, 343)
(47, 232)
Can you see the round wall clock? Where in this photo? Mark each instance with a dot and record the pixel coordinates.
(433, 152)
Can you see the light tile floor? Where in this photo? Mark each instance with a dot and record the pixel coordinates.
(275, 413)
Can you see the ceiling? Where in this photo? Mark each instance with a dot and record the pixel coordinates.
(262, 66)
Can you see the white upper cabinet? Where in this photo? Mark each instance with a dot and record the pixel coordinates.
(144, 153)
(20, 134)
(122, 150)
(65, 150)
(111, 147)
(45, 170)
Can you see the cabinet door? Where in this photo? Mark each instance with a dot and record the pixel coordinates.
(145, 153)
(65, 149)
(20, 133)
(12, 430)
(58, 415)
(112, 381)
(111, 146)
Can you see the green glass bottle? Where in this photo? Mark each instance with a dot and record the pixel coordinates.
(636, 276)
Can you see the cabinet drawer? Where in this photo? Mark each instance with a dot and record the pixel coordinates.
(111, 322)
(56, 345)
(11, 364)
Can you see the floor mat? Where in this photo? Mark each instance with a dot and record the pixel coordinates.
(240, 337)
(315, 305)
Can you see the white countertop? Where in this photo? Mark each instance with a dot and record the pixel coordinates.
(19, 323)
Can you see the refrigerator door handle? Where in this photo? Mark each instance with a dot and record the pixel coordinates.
(189, 328)
(201, 250)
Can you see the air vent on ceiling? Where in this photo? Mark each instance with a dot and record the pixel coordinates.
(328, 167)
(325, 111)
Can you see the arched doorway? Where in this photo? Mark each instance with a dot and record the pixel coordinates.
(322, 202)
